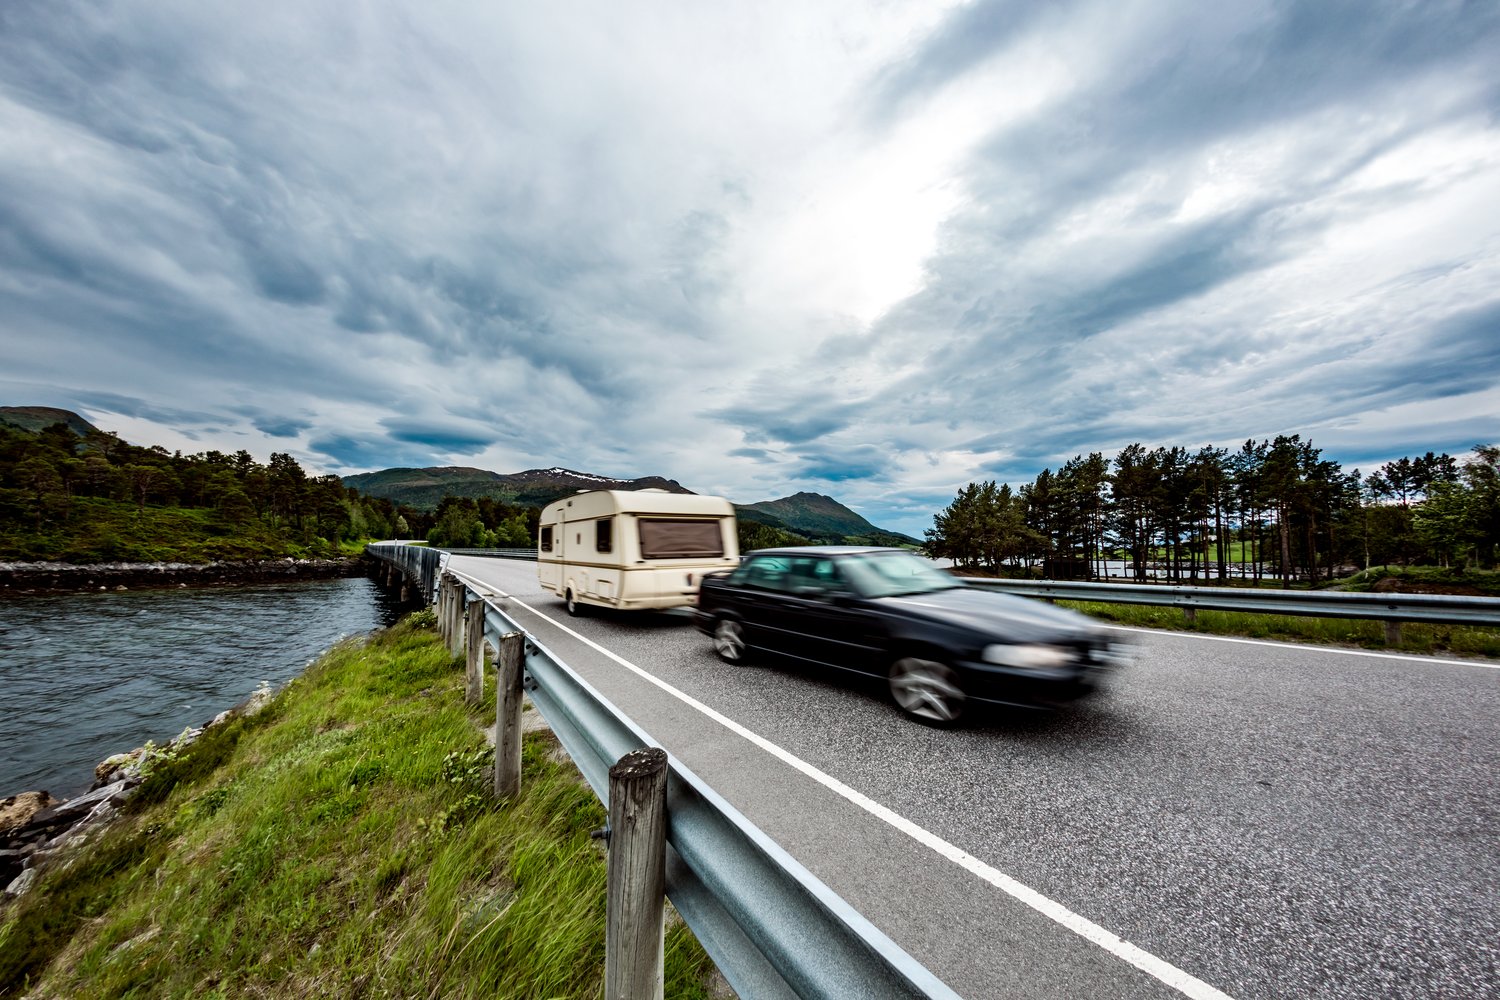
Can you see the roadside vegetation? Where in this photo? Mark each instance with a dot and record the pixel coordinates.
(343, 842)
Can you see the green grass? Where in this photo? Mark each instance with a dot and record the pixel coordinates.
(1415, 638)
(341, 843)
(1425, 579)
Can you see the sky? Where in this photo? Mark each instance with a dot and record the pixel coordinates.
(876, 250)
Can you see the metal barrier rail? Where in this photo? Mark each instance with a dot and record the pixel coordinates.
(772, 927)
(1443, 609)
(495, 553)
(422, 565)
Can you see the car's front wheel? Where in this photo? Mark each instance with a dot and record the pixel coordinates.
(729, 641)
(927, 690)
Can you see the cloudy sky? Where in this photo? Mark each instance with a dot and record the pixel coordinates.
(875, 250)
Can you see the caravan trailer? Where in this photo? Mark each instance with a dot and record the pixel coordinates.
(633, 549)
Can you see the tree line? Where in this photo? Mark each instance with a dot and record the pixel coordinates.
(89, 498)
(1273, 508)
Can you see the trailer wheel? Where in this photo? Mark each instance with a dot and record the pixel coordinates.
(575, 608)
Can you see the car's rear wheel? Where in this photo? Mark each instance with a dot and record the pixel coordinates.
(575, 608)
(729, 641)
(927, 690)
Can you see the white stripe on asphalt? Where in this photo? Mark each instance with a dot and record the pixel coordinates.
(1183, 982)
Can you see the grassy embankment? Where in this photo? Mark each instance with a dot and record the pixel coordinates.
(341, 843)
(110, 531)
(1415, 638)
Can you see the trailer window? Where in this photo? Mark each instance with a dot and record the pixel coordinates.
(680, 538)
(604, 534)
(547, 539)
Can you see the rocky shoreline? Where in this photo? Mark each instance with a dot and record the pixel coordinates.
(36, 828)
(55, 577)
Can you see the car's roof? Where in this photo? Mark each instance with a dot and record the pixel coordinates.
(823, 550)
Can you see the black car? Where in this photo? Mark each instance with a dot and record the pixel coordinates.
(941, 645)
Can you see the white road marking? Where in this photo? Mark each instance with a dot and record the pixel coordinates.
(1164, 971)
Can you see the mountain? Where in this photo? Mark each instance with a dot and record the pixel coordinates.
(811, 515)
(34, 418)
(820, 518)
(423, 488)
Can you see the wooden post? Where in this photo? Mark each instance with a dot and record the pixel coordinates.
(508, 668)
(1393, 633)
(1190, 615)
(456, 618)
(634, 911)
(474, 653)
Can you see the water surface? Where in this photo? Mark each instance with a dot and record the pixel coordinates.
(84, 676)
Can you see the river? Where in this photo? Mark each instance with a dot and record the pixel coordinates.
(84, 676)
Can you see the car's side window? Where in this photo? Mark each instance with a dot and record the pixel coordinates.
(764, 573)
(814, 575)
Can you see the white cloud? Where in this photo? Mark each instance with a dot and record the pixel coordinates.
(741, 246)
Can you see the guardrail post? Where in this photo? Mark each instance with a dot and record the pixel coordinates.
(508, 715)
(474, 653)
(460, 606)
(453, 614)
(634, 913)
(1190, 615)
(1393, 633)
(445, 609)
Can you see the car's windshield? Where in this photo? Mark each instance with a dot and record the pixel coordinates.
(889, 574)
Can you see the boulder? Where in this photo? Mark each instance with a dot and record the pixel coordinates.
(18, 810)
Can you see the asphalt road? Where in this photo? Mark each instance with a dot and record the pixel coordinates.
(1258, 820)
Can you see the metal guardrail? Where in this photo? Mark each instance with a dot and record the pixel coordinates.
(495, 553)
(772, 927)
(421, 564)
(1443, 609)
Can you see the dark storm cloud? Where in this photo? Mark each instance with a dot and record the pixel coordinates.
(280, 427)
(843, 465)
(795, 421)
(362, 453)
(159, 411)
(438, 437)
(755, 454)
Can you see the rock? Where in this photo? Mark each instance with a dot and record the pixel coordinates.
(12, 861)
(108, 769)
(21, 883)
(18, 810)
(75, 809)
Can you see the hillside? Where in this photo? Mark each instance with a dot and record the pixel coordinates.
(424, 488)
(820, 518)
(34, 418)
(811, 516)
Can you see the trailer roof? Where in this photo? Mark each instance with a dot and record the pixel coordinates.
(653, 501)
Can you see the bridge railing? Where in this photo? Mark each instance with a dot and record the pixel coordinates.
(772, 927)
(495, 553)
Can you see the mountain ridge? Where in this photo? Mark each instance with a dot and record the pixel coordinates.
(35, 418)
(812, 515)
